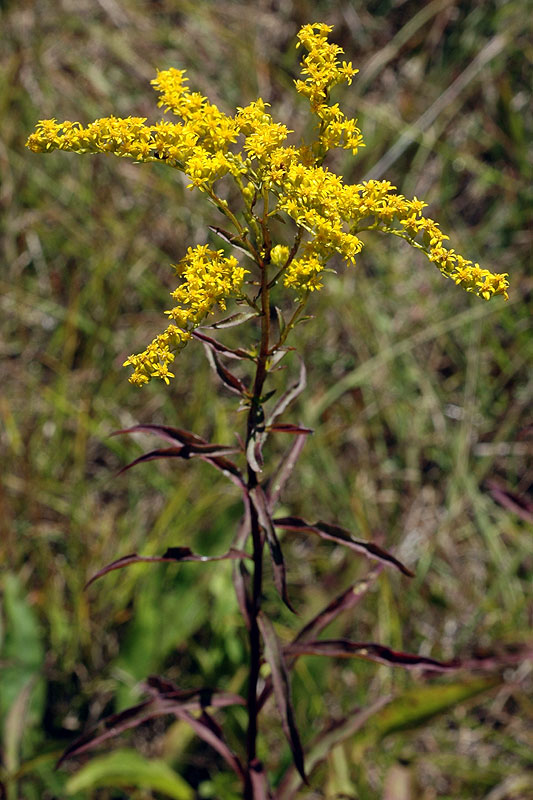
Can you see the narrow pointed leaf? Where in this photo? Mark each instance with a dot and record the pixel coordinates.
(109, 727)
(282, 690)
(172, 554)
(291, 394)
(227, 468)
(233, 320)
(284, 471)
(207, 452)
(156, 706)
(289, 427)
(230, 380)
(370, 651)
(234, 241)
(181, 451)
(344, 602)
(517, 503)
(240, 575)
(166, 432)
(332, 735)
(276, 555)
(207, 729)
(254, 451)
(416, 707)
(334, 533)
(190, 699)
(238, 353)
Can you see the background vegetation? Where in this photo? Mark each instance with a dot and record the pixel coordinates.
(420, 396)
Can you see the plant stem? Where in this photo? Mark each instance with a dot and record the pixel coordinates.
(254, 418)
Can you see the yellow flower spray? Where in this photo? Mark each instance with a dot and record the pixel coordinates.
(274, 179)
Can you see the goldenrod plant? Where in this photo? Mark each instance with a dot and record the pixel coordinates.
(295, 221)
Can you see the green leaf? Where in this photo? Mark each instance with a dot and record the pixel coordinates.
(127, 768)
(21, 660)
(416, 706)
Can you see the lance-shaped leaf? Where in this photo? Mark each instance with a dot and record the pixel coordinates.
(240, 575)
(282, 690)
(343, 602)
(233, 320)
(334, 533)
(370, 651)
(332, 735)
(284, 471)
(254, 450)
(232, 239)
(417, 706)
(207, 729)
(191, 699)
(289, 427)
(230, 380)
(287, 397)
(172, 554)
(210, 453)
(156, 706)
(166, 432)
(260, 502)
(238, 353)
(517, 503)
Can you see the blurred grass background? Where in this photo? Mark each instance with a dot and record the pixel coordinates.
(419, 394)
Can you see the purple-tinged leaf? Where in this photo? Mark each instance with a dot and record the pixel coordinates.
(185, 451)
(282, 690)
(172, 554)
(517, 503)
(260, 502)
(496, 660)
(207, 729)
(370, 651)
(259, 781)
(166, 432)
(287, 397)
(288, 427)
(284, 471)
(191, 699)
(343, 602)
(332, 735)
(240, 575)
(109, 727)
(233, 320)
(334, 533)
(227, 468)
(254, 451)
(206, 452)
(238, 353)
(158, 705)
(230, 380)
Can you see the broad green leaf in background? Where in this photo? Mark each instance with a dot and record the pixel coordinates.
(416, 706)
(126, 768)
(21, 661)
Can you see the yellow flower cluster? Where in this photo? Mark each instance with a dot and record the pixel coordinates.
(207, 145)
(208, 278)
(323, 71)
